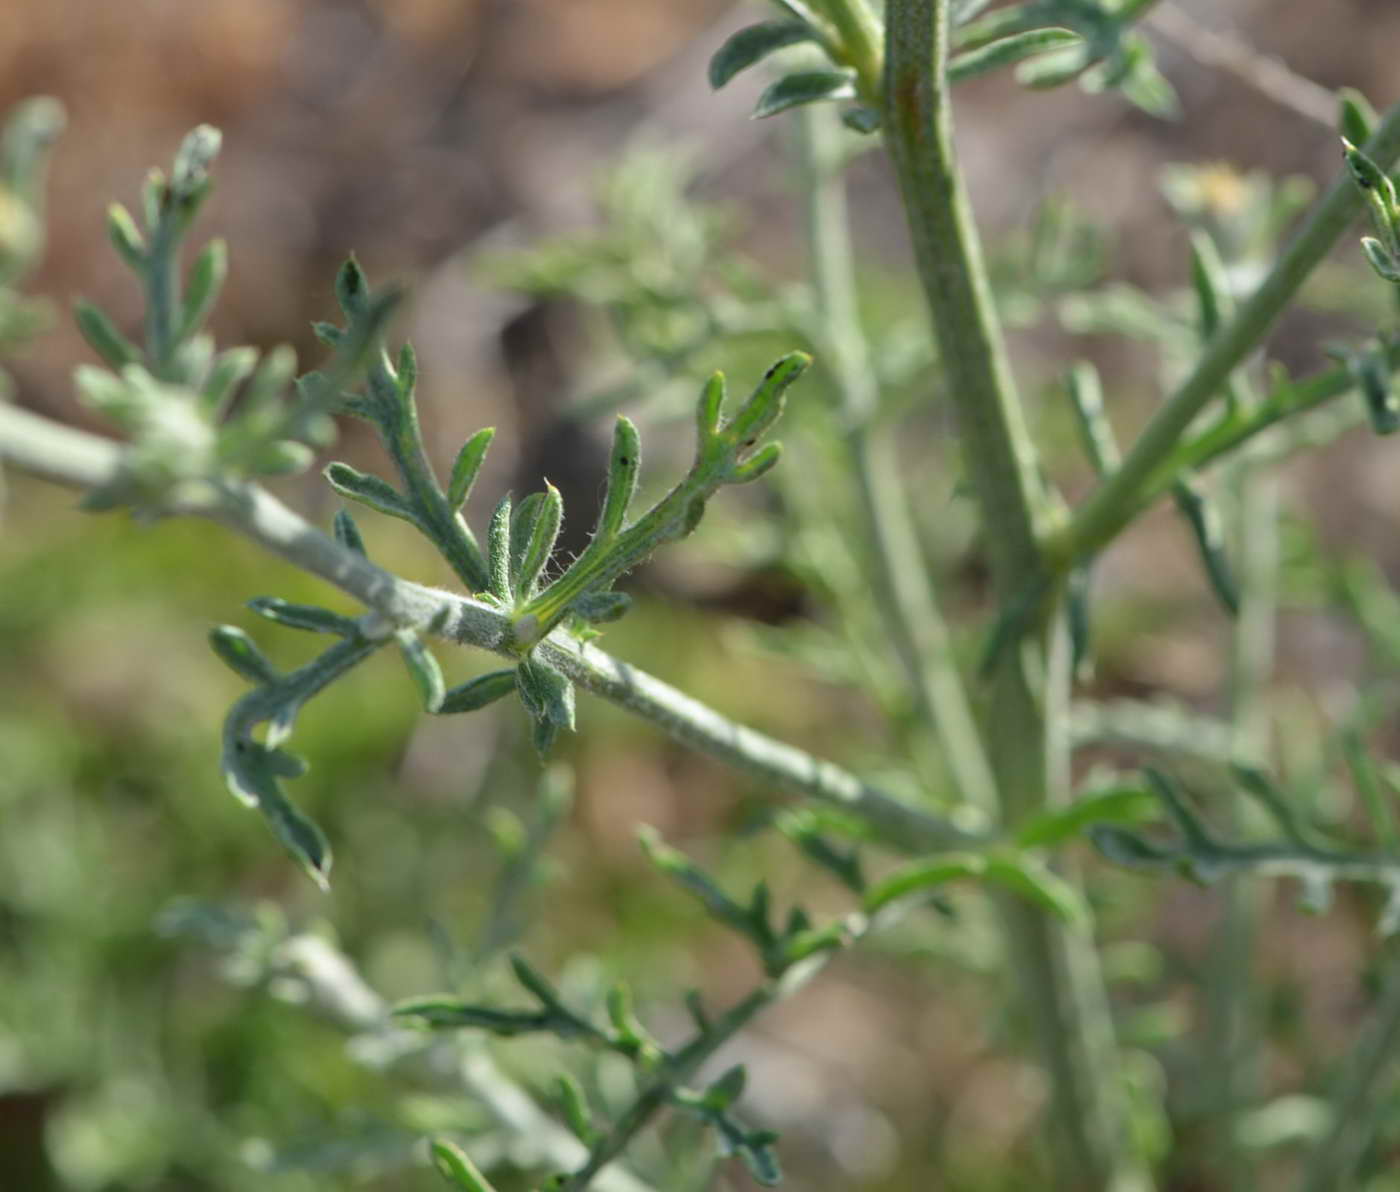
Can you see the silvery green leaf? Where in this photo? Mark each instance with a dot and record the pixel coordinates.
(1208, 531)
(478, 693)
(280, 458)
(624, 466)
(548, 697)
(206, 279)
(918, 876)
(369, 490)
(103, 337)
(251, 772)
(1380, 259)
(351, 290)
(241, 655)
(126, 238)
(230, 369)
(1356, 118)
(723, 1092)
(1037, 883)
(599, 608)
(406, 369)
(196, 154)
(303, 616)
(1129, 849)
(862, 119)
(347, 533)
(810, 86)
(466, 467)
(544, 532)
(424, 669)
(498, 551)
(1007, 50)
(573, 1105)
(752, 44)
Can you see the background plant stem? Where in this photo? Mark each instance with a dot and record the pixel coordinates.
(911, 614)
(1026, 721)
(1115, 502)
(1230, 1056)
(1357, 1106)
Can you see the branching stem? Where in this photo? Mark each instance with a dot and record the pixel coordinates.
(1026, 723)
(75, 457)
(1118, 499)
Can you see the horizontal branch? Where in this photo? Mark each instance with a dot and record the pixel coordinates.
(77, 458)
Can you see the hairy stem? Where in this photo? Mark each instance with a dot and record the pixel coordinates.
(444, 525)
(75, 457)
(1026, 732)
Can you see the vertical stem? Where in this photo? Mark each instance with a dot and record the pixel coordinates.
(162, 297)
(908, 600)
(1026, 723)
(1229, 1045)
(858, 36)
(1357, 1106)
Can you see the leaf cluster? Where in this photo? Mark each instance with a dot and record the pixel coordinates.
(199, 418)
(1050, 42)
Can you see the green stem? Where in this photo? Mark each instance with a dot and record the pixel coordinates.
(1230, 1056)
(1357, 1106)
(403, 439)
(857, 41)
(1026, 732)
(657, 1095)
(905, 587)
(1114, 503)
(75, 457)
(335, 990)
(162, 297)
(1233, 432)
(1001, 458)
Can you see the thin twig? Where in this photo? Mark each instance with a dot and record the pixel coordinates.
(1269, 76)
